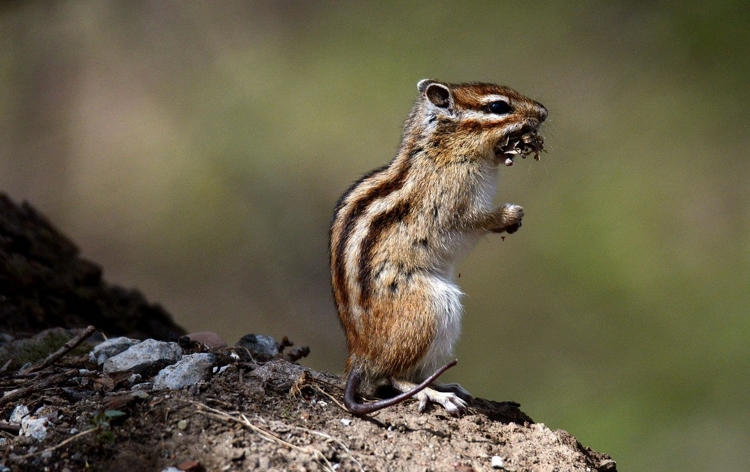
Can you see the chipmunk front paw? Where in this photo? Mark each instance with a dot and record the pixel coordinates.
(507, 219)
(514, 216)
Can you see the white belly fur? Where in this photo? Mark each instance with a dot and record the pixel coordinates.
(446, 300)
(446, 296)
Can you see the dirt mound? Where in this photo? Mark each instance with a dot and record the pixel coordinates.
(261, 416)
(44, 284)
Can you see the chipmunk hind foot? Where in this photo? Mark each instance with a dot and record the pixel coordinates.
(461, 392)
(451, 401)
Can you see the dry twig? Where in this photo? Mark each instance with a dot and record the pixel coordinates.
(69, 346)
(267, 435)
(333, 399)
(40, 385)
(10, 427)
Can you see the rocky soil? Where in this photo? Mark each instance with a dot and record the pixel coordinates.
(230, 411)
(73, 401)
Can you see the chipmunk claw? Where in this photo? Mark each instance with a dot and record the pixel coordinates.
(448, 400)
(512, 229)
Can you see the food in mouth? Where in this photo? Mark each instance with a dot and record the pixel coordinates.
(524, 145)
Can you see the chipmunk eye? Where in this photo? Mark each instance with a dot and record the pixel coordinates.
(499, 107)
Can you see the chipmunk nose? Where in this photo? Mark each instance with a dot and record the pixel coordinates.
(541, 112)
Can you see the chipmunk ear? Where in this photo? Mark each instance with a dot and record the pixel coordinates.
(438, 94)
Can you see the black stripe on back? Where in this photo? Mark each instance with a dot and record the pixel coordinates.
(358, 207)
(377, 228)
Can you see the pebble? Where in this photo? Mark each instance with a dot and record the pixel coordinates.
(35, 428)
(147, 355)
(18, 414)
(188, 371)
(261, 346)
(497, 462)
(110, 348)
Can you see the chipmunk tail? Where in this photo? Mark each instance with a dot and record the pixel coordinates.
(354, 379)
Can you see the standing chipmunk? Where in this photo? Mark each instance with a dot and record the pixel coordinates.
(398, 233)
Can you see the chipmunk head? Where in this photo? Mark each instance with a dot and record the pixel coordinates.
(480, 120)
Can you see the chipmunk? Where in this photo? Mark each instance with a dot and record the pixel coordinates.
(398, 233)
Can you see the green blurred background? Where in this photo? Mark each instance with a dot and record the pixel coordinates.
(196, 149)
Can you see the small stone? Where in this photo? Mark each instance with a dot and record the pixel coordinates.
(143, 357)
(110, 348)
(260, 346)
(237, 454)
(19, 413)
(346, 421)
(182, 425)
(497, 462)
(34, 428)
(187, 372)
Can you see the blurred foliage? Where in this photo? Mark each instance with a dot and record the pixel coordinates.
(196, 151)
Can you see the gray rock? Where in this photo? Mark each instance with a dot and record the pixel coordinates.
(260, 346)
(147, 356)
(110, 348)
(35, 427)
(188, 371)
(18, 414)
